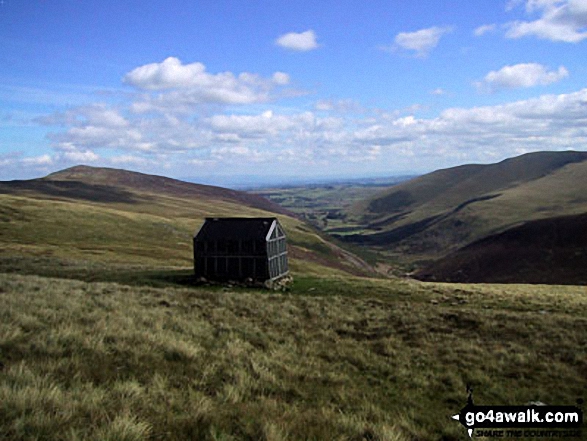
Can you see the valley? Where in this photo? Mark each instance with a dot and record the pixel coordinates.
(453, 218)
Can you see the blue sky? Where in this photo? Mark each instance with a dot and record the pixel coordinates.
(293, 89)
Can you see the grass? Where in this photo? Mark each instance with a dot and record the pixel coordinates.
(338, 358)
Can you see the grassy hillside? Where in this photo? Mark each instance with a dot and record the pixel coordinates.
(115, 216)
(438, 213)
(337, 358)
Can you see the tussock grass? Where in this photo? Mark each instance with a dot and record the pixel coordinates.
(337, 358)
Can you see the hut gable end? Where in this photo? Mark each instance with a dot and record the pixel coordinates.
(240, 249)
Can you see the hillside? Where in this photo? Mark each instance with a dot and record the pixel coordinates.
(100, 184)
(340, 358)
(547, 251)
(117, 216)
(431, 216)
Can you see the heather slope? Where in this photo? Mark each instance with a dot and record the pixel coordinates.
(546, 251)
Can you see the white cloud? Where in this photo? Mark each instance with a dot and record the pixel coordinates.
(238, 153)
(171, 73)
(550, 122)
(95, 114)
(422, 41)
(559, 20)
(547, 123)
(36, 161)
(340, 106)
(438, 92)
(263, 125)
(280, 78)
(484, 29)
(302, 42)
(335, 133)
(190, 84)
(130, 160)
(84, 156)
(521, 75)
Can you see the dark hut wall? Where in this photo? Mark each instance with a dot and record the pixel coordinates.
(231, 258)
(240, 248)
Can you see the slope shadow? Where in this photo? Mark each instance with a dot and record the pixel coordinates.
(548, 251)
(91, 272)
(70, 190)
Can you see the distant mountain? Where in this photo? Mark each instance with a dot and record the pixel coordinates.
(434, 215)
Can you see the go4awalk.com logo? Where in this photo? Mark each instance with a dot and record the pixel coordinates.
(534, 420)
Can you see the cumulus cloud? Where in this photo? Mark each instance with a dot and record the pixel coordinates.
(190, 84)
(559, 20)
(420, 42)
(238, 153)
(301, 42)
(84, 156)
(339, 106)
(134, 160)
(280, 78)
(521, 75)
(251, 125)
(438, 91)
(36, 161)
(549, 122)
(334, 132)
(95, 114)
(484, 29)
(273, 129)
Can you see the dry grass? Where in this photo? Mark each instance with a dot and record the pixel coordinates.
(336, 359)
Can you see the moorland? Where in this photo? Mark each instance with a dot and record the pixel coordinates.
(104, 335)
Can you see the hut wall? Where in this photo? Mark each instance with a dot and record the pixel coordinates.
(224, 256)
(237, 260)
(277, 253)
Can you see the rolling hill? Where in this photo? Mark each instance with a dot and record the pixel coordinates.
(101, 215)
(120, 180)
(434, 215)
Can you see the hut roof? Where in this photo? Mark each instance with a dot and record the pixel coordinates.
(235, 228)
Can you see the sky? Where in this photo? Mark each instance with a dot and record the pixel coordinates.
(214, 89)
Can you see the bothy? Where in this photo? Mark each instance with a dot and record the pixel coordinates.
(240, 249)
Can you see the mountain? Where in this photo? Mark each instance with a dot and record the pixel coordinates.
(547, 251)
(108, 215)
(435, 214)
(107, 183)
